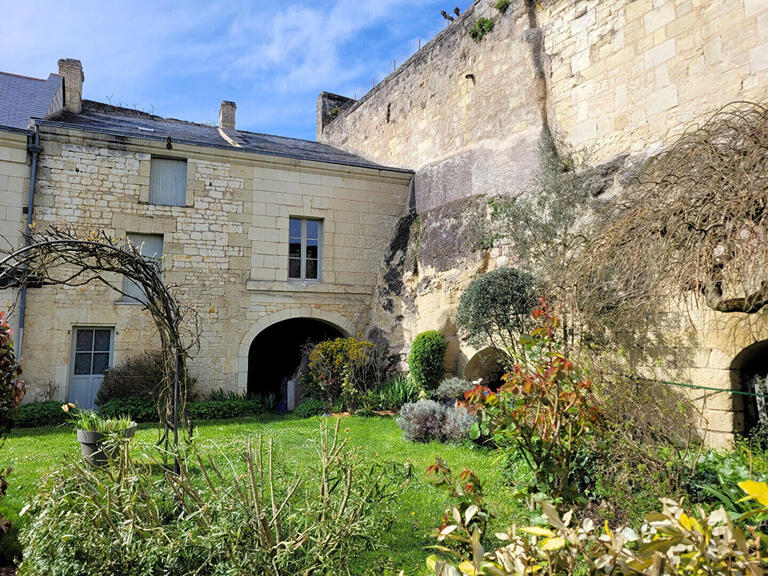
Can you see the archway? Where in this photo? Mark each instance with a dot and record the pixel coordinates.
(487, 364)
(275, 354)
(749, 373)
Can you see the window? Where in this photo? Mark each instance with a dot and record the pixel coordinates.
(304, 249)
(168, 182)
(151, 247)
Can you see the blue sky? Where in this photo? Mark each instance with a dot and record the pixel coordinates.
(181, 58)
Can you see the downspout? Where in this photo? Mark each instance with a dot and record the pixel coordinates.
(35, 149)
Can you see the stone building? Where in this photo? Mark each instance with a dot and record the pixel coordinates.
(615, 78)
(391, 195)
(273, 240)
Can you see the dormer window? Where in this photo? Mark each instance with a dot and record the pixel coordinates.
(168, 182)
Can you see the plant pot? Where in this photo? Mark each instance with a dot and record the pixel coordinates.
(93, 449)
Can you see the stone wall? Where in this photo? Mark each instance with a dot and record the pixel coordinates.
(465, 115)
(627, 74)
(14, 183)
(613, 80)
(226, 252)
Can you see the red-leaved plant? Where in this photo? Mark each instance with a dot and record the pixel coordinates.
(545, 408)
(11, 393)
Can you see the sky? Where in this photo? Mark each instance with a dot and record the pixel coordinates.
(181, 58)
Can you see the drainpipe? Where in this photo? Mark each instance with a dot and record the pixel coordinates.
(35, 149)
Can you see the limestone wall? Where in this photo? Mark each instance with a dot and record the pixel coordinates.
(626, 74)
(14, 183)
(617, 79)
(225, 252)
(464, 115)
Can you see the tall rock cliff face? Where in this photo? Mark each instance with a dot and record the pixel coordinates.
(615, 79)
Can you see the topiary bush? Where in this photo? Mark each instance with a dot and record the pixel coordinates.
(495, 310)
(310, 407)
(427, 420)
(452, 389)
(427, 359)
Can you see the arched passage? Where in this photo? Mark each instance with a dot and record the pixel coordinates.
(749, 373)
(275, 354)
(487, 364)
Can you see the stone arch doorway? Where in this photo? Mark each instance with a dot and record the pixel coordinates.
(749, 373)
(275, 355)
(487, 364)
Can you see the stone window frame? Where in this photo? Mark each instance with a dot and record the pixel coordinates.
(320, 235)
(146, 173)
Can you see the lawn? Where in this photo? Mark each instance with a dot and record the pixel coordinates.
(32, 452)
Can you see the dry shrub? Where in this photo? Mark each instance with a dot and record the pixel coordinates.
(694, 221)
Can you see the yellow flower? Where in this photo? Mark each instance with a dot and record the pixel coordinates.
(65, 407)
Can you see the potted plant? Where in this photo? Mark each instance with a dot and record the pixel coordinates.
(100, 438)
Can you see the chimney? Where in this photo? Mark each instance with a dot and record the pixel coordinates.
(227, 115)
(72, 71)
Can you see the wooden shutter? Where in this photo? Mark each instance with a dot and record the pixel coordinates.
(168, 182)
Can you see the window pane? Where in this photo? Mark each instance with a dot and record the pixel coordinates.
(312, 269)
(313, 227)
(294, 268)
(311, 251)
(168, 182)
(101, 340)
(100, 362)
(84, 340)
(82, 363)
(294, 250)
(295, 228)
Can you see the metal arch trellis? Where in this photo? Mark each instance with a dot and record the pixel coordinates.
(59, 256)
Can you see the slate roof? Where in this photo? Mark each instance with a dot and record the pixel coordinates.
(108, 119)
(22, 98)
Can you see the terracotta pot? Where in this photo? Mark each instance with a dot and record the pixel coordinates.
(93, 449)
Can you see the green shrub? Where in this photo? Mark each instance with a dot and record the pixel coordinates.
(503, 5)
(139, 376)
(427, 359)
(545, 411)
(453, 389)
(222, 409)
(139, 409)
(36, 414)
(145, 409)
(671, 542)
(341, 368)
(310, 407)
(427, 420)
(245, 517)
(391, 395)
(480, 28)
(495, 310)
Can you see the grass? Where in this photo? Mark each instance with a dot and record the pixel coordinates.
(33, 452)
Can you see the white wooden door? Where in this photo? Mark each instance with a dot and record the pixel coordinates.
(91, 356)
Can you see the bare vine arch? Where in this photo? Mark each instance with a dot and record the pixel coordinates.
(60, 256)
